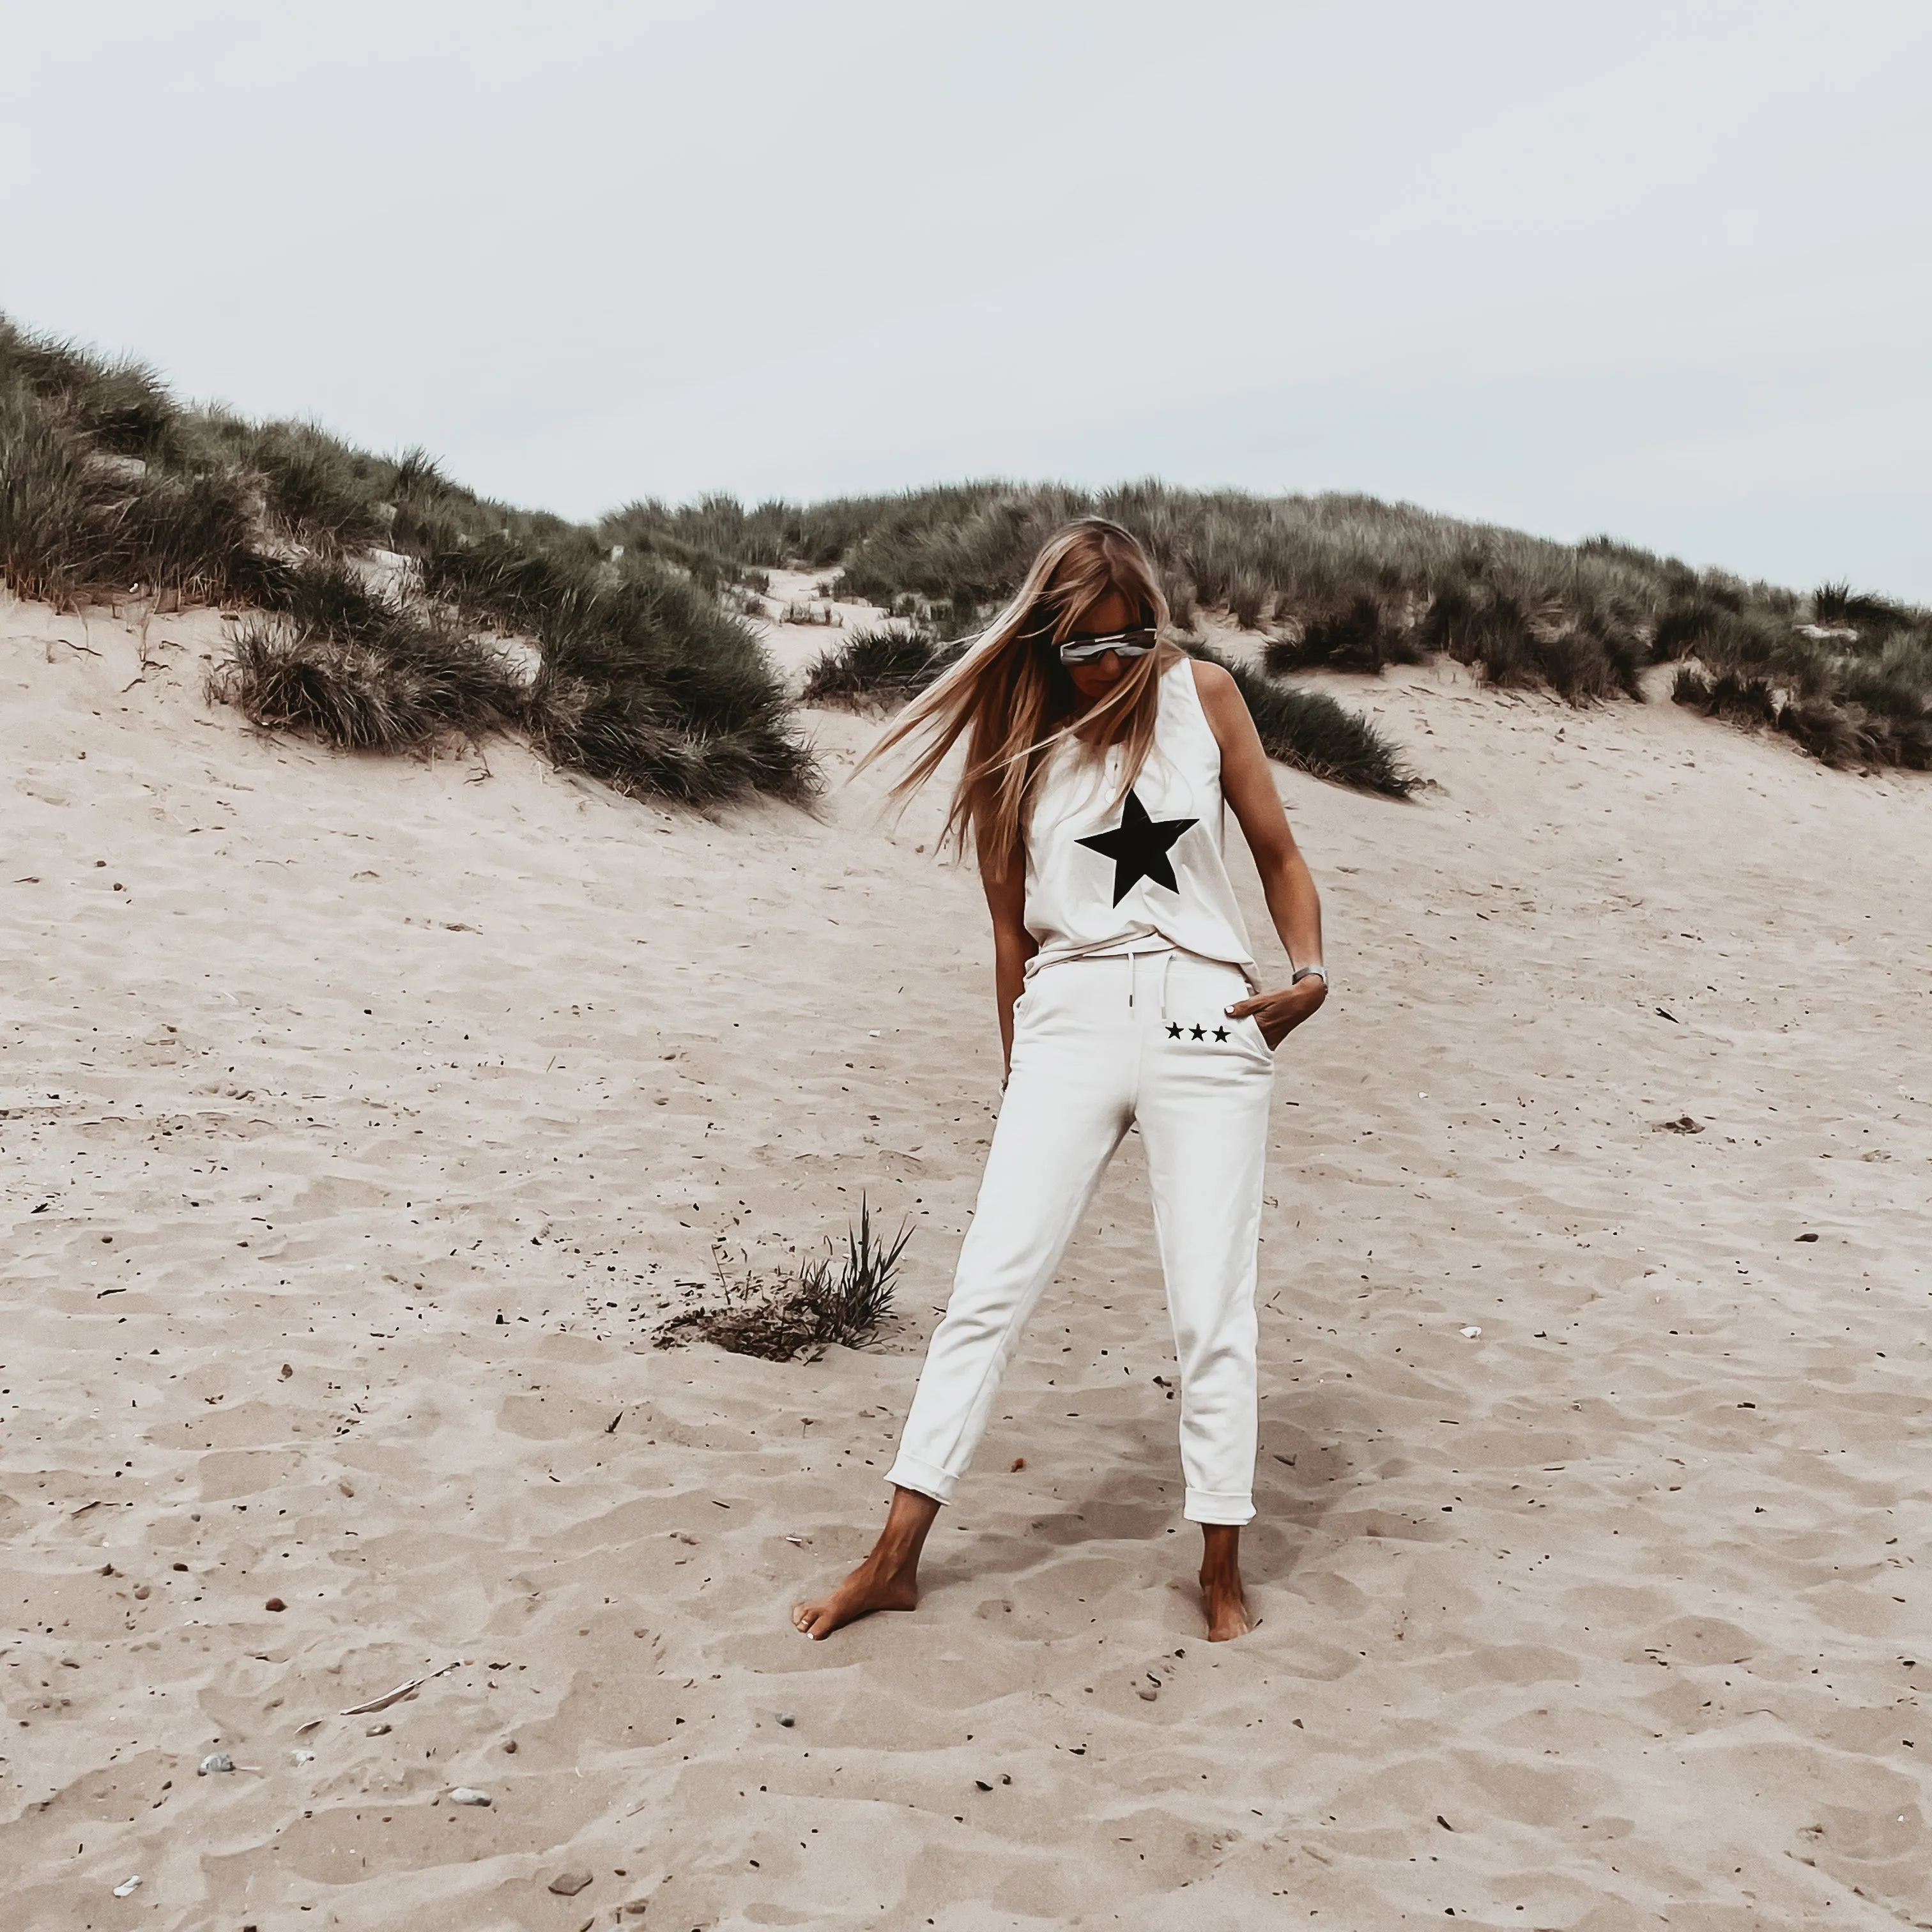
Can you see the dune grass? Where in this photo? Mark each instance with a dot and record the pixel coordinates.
(834, 1300)
(1308, 730)
(1358, 637)
(109, 489)
(364, 669)
(1350, 583)
(1852, 686)
(883, 665)
(122, 407)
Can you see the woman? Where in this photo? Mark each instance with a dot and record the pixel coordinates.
(1098, 757)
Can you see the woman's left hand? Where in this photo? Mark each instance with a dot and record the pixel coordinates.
(1279, 1013)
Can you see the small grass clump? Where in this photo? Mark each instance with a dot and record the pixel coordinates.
(1359, 637)
(362, 671)
(1308, 730)
(649, 685)
(1748, 701)
(886, 665)
(836, 1300)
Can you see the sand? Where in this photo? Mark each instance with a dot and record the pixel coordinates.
(360, 1117)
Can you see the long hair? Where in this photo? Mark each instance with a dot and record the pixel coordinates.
(1011, 699)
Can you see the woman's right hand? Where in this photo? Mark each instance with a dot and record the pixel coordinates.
(1279, 1013)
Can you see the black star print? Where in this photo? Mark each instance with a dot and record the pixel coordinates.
(1138, 846)
(1173, 1030)
(1199, 1033)
(1220, 1033)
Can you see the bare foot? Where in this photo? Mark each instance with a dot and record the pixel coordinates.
(888, 1579)
(871, 1587)
(1221, 1583)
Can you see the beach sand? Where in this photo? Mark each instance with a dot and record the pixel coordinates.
(360, 1117)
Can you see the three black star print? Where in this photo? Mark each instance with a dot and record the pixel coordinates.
(1138, 846)
(1176, 1030)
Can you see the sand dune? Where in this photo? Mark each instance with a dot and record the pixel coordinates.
(359, 1118)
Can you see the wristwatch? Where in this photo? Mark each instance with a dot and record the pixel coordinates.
(1302, 972)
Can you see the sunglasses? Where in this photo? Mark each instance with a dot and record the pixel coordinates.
(1083, 647)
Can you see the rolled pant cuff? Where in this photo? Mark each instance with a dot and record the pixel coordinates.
(1219, 1506)
(925, 1479)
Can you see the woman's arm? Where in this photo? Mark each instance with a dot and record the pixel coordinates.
(1292, 901)
(1013, 945)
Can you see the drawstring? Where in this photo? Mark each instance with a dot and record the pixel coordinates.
(1133, 972)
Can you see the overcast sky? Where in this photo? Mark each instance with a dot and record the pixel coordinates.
(1658, 270)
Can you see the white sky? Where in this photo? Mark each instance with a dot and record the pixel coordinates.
(1661, 270)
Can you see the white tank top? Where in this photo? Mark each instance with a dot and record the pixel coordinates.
(1103, 877)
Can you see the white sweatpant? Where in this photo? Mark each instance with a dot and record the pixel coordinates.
(1098, 1046)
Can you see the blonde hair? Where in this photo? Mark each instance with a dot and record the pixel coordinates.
(1011, 699)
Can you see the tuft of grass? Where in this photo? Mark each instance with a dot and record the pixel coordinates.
(1590, 652)
(57, 507)
(885, 665)
(121, 406)
(854, 1295)
(1357, 637)
(1829, 732)
(1748, 701)
(647, 684)
(361, 673)
(1308, 730)
(836, 1300)
(78, 521)
(515, 586)
(1839, 604)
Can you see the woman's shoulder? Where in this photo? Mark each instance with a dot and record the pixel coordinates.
(1210, 679)
(1219, 698)
(1213, 685)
